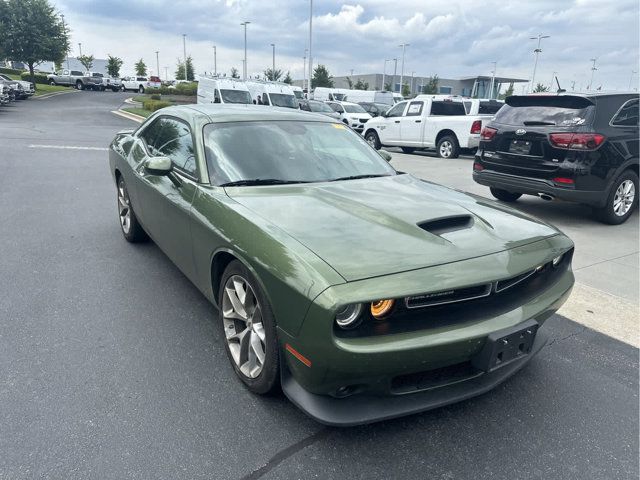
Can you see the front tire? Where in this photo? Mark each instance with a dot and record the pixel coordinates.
(621, 201)
(52, 83)
(141, 89)
(448, 147)
(373, 140)
(503, 195)
(79, 85)
(249, 329)
(131, 228)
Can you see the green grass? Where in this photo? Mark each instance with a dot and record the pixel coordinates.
(138, 111)
(41, 89)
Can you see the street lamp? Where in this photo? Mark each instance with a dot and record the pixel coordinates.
(157, 63)
(403, 45)
(273, 62)
(80, 47)
(184, 52)
(310, 45)
(64, 29)
(493, 79)
(244, 68)
(304, 70)
(633, 72)
(593, 70)
(384, 73)
(166, 73)
(537, 52)
(215, 61)
(395, 71)
(412, 74)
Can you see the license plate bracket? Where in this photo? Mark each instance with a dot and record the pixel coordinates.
(506, 346)
(522, 147)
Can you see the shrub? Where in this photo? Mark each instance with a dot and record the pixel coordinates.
(10, 71)
(156, 96)
(153, 105)
(187, 89)
(37, 77)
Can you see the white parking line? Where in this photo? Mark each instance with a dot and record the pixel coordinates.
(70, 147)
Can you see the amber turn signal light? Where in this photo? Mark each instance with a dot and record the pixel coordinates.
(380, 308)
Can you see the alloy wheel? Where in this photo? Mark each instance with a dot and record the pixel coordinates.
(624, 197)
(446, 148)
(243, 327)
(124, 207)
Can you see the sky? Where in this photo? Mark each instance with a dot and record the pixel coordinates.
(450, 38)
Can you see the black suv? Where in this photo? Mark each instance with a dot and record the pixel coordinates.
(581, 148)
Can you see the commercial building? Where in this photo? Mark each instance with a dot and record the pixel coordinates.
(478, 86)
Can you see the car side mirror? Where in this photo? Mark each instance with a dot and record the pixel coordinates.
(158, 165)
(386, 155)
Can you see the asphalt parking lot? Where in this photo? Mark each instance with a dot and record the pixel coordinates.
(111, 364)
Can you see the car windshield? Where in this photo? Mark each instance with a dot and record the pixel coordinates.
(354, 109)
(235, 96)
(320, 107)
(298, 94)
(283, 100)
(288, 151)
(338, 96)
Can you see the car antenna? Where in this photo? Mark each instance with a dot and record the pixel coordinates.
(560, 89)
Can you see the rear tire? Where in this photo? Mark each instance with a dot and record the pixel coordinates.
(240, 295)
(52, 83)
(408, 149)
(141, 89)
(131, 228)
(448, 147)
(622, 200)
(79, 85)
(373, 140)
(503, 195)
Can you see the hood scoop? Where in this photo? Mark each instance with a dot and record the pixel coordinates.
(442, 225)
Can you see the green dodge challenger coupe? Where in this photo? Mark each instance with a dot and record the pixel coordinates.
(366, 293)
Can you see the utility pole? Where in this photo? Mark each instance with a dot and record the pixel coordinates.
(166, 73)
(384, 73)
(215, 61)
(593, 70)
(352, 72)
(493, 79)
(184, 52)
(310, 46)
(80, 47)
(64, 28)
(244, 63)
(402, 67)
(273, 62)
(304, 70)
(633, 72)
(395, 71)
(158, 63)
(535, 64)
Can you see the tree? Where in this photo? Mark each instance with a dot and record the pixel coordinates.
(113, 66)
(32, 32)
(321, 77)
(57, 66)
(350, 83)
(431, 88)
(273, 75)
(507, 93)
(180, 70)
(540, 88)
(387, 86)
(360, 85)
(406, 91)
(141, 68)
(86, 61)
(234, 73)
(288, 79)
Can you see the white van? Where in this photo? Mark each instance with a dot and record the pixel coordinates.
(275, 94)
(324, 93)
(297, 91)
(397, 98)
(222, 90)
(372, 96)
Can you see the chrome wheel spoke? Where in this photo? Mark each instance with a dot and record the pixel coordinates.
(624, 198)
(238, 308)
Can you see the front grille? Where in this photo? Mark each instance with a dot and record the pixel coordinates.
(433, 378)
(363, 120)
(448, 296)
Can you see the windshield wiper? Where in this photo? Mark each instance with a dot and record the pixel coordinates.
(355, 177)
(261, 181)
(536, 122)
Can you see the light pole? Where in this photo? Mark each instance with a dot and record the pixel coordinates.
(80, 47)
(166, 74)
(403, 45)
(64, 28)
(215, 61)
(184, 53)
(593, 70)
(384, 73)
(310, 46)
(244, 63)
(304, 70)
(633, 72)
(535, 63)
(158, 63)
(395, 71)
(352, 72)
(493, 79)
(273, 62)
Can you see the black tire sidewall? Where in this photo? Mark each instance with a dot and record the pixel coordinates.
(269, 377)
(606, 213)
(376, 142)
(504, 195)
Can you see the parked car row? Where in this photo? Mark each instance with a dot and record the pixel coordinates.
(11, 90)
(100, 82)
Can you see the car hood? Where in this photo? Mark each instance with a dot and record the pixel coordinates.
(371, 227)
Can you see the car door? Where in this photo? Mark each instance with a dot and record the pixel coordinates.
(411, 125)
(65, 78)
(389, 132)
(166, 199)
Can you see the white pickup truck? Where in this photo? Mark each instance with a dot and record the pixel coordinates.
(425, 122)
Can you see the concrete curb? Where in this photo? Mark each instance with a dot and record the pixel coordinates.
(128, 115)
(131, 101)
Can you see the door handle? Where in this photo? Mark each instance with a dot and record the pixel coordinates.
(418, 121)
(397, 121)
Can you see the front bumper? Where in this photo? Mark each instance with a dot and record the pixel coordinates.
(362, 409)
(535, 186)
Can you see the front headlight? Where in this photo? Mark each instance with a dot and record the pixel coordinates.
(381, 308)
(349, 316)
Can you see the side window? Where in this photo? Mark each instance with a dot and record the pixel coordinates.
(216, 96)
(448, 108)
(397, 110)
(627, 116)
(149, 135)
(415, 109)
(174, 141)
(335, 107)
(265, 99)
(138, 153)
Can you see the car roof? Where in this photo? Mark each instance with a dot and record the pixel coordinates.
(216, 112)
